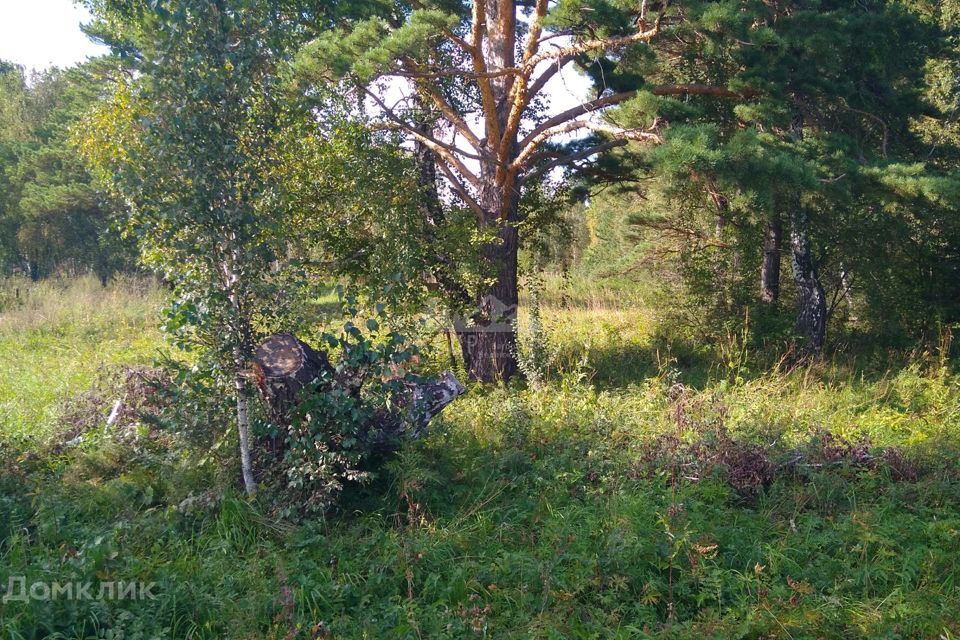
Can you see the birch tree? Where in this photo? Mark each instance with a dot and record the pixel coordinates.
(182, 143)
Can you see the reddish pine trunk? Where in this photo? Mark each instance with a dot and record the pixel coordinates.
(488, 339)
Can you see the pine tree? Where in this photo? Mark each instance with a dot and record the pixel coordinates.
(489, 62)
(827, 99)
(52, 214)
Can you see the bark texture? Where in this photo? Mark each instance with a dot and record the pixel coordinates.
(812, 315)
(770, 266)
(415, 407)
(488, 339)
(240, 327)
(285, 368)
(243, 429)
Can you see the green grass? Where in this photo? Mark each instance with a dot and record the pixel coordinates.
(55, 338)
(602, 506)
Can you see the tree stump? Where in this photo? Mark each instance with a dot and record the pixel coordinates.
(283, 366)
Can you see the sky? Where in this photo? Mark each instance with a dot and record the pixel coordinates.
(42, 33)
(39, 34)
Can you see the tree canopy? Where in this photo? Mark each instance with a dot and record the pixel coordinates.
(53, 216)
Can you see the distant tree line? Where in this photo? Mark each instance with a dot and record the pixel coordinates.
(52, 218)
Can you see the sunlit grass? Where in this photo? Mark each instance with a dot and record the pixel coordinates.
(59, 334)
(527, 513)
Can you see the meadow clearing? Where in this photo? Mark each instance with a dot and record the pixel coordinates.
(648, 488)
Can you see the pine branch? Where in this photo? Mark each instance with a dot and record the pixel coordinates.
(460, 189)
(575, 112)
(598, 44)
(519, 94)
(480, 68)
(570, 159)
(618, 133)
(537, 86)
(446, 109)
(444, 151)
(623, 96)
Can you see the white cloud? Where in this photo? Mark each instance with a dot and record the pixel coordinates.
(44, 33)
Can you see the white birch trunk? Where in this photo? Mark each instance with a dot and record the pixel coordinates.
(240, 386)
(243, 429)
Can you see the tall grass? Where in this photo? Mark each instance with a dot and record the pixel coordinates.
(57, 334)
(603, 504)
(81, 303)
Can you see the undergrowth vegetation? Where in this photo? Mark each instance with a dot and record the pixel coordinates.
(649, 486)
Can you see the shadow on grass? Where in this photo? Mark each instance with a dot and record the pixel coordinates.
(616, 365)
(510, 519)
(622, 364)
(561, 532)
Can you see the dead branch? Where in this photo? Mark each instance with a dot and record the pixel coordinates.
(616, 132)
(441, 149)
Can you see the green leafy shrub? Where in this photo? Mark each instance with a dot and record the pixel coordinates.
(341, 419)
(535, 354)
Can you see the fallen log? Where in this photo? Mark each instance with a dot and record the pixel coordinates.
(417, 405)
